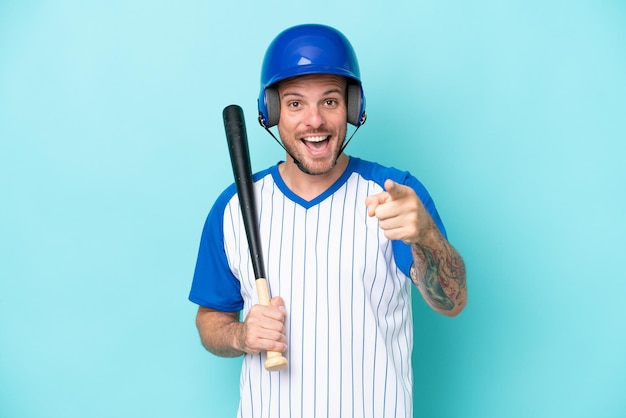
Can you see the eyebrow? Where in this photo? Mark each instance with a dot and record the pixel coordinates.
(326, 93)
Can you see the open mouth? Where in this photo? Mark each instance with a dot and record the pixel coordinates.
(316, 142)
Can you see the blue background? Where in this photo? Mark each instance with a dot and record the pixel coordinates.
(112, 151)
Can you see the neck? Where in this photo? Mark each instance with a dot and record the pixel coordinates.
(309, 186)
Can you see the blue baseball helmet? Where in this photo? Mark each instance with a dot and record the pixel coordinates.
(309, 49)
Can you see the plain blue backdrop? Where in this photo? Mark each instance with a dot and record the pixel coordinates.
(112, 151)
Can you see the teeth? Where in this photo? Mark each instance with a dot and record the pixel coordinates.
(315, 138)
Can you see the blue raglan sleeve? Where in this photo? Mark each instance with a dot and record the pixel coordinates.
(214, 285)
(402, 251)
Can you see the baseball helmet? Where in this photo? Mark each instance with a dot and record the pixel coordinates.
(309, 49)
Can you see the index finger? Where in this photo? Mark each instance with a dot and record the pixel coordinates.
(394, 189)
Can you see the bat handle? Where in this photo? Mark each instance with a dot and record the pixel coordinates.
(275, 360)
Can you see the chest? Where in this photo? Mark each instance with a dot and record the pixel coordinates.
(330, 251)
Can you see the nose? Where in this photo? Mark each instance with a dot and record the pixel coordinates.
(314, 118)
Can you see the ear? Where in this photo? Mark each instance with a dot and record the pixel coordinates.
(272, 102)
(355, 104)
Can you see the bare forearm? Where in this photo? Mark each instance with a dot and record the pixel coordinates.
(439, 273)
(224, 335)
(218, 332)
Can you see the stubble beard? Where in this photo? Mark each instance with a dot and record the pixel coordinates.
(308, 168)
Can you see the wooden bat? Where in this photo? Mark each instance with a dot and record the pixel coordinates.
(237, 139)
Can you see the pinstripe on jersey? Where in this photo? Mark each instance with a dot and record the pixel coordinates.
(346, 293)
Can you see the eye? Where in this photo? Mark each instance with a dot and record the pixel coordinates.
(330, 102)
(294, 104)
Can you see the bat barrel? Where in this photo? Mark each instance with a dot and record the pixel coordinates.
(237, 139)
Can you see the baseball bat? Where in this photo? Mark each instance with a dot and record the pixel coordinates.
(237, 139)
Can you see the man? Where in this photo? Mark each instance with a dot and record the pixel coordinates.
(341, 239)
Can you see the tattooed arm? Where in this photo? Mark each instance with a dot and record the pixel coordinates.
(439, 273)
(438, 269)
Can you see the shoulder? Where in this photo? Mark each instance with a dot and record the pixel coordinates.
(227, 195)
(378, 173)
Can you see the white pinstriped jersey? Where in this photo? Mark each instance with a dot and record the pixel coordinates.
(346, 293)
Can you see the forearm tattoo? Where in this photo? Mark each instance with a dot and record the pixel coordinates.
(440, 273)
